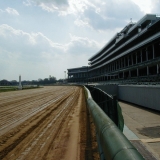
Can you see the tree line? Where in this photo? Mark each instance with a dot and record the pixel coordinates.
(45, 81)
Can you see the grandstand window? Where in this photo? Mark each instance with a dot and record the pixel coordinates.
(134, 58)
(134, 73)
(157, 49)
(150, 52)
(144, 55)
(143, 72)
(125, 61)
(139, 57)
(153, 70)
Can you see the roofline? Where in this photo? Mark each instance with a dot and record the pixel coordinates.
(103, 47)
(147, 16)
(78, 67)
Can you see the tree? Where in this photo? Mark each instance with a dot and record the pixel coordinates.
(52, 80)
(14, 82)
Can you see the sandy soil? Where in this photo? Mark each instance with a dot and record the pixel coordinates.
(47, 123)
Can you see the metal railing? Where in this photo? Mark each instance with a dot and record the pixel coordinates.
(109, 104)
(112, 144)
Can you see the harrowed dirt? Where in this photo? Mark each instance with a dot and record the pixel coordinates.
(48, 123)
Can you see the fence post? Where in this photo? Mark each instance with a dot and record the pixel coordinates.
(115, 110)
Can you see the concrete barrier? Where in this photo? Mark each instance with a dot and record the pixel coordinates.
(143, 95)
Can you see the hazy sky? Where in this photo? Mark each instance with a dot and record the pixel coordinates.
(39, 38)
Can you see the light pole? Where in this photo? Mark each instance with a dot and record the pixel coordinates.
(20, 85)
(64, 76)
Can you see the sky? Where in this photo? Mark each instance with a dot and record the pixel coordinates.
(39, 38)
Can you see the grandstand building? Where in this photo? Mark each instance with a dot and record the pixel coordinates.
(78, 75)
(131, 56)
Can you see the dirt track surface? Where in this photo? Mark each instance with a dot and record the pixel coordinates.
(47, 123)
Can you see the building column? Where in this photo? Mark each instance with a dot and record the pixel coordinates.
(146, 54)
(128, 60)
(137, 72)
(132, 58)
(129, 73)
(153, 51)
(157, 68)
(136, 57)
(147, 71)
(141, 56)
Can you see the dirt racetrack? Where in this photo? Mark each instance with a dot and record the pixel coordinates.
(50, 123)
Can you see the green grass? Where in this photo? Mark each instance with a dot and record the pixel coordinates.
(15, 88)
(8, 88)
(31, 87)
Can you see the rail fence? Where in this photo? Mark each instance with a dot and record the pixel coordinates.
(112, 143)
(109, 104)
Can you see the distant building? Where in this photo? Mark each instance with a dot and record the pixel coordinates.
(78, 75)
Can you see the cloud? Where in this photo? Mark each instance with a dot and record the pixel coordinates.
(86, 46)
(31, 46)
(36, 56)
(109, 15)
(27, 53)
(96, 14)
(156, 7)
(99, 15)
(101, 23)
(80, 23)
(62, 7)
(10, 11)
(49, 5)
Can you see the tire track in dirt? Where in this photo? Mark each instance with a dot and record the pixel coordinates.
(58, 130)
(20, 111)
(13, 143)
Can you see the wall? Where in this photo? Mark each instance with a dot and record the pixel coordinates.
(110, 89)
(143, 95)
